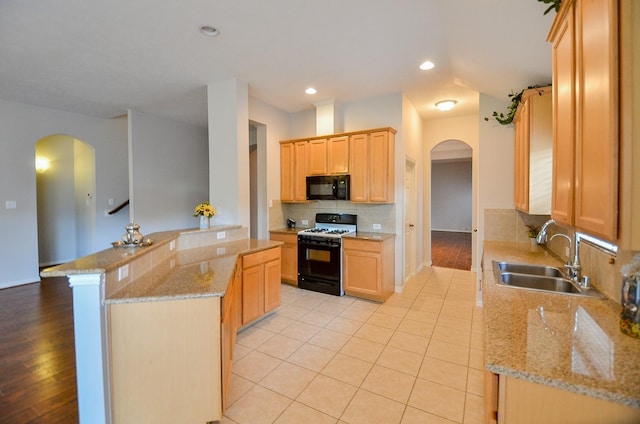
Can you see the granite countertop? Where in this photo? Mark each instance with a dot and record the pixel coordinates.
(569, 342)
(199, 272)
(287, 230)
(370, 236)
(109, 259)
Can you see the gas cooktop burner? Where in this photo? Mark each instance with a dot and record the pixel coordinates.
(332, 225)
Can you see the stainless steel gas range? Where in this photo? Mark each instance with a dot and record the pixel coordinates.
(320, 253)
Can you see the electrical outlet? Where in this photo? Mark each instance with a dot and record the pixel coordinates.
(106, 213)
(110, 202)
(10, 204)
(305, 222)
(172, 245)
(221, 235)
(221, 251)
(123, 272)
(377, 226)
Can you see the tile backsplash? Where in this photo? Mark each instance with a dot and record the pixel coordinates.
(368, 214)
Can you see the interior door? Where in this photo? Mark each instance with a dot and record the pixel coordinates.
(409, 219)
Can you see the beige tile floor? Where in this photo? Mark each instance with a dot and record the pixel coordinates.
(417, 358)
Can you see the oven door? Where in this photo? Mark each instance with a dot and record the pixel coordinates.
(319, 260)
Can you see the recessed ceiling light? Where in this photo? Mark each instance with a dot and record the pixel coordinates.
(311, 90)
(425, 66)
(445, 105)
(209, 31)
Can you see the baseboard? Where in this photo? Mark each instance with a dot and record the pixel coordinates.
(19, 283)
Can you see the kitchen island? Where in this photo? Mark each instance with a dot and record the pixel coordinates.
(555, 354)
(154, 326)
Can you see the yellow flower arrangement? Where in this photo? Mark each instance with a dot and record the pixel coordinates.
(204, 209)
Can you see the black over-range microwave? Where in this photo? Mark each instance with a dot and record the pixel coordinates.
(328, 187)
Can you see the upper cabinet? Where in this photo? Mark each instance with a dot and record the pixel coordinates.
(584, 36)
(368, 156)
(533, 152)
(328, 156)
(293, 171)
(372, 167)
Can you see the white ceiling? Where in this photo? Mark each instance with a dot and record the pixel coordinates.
(101, 58)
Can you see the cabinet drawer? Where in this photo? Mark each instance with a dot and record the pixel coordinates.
(286, 238)
(261, 257)
(363, 245)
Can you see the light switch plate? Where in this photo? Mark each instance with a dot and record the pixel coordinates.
(221, 235)
(377, 226)
(10, 204)
(305, 222)
(123, 272)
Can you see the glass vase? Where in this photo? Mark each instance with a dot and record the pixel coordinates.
(630, 316)
(204, 222)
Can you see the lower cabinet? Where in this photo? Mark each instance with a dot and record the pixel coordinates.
(513, 400)
(368, 268)
(289, 259)
(261, 279)
(165, 359)
(170, 360)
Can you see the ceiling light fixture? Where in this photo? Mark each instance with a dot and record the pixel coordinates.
(209, 31)
(446, 105)
(425, 66)
(311, 90)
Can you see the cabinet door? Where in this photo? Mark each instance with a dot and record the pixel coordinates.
(287, 180)
(362, 273)
(300, 171)
(289, 259)
(380, 167)
(359, 167)
(521, 158)
(317, 157)
(596, 206)
(338, 155)
(272, 285)
(563, 119)
(252, 293)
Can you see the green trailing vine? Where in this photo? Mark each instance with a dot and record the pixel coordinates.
(516, 98)
(554, 5)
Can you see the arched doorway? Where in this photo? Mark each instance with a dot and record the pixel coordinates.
(65, 198)
(452, 205)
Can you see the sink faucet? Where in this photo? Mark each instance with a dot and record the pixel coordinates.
(573, 268)
(542, 234)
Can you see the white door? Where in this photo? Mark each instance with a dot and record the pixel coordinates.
(409, 218)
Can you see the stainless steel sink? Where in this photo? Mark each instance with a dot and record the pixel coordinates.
(529, 269)
(539, 277)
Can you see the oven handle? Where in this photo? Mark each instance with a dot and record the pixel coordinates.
(309, 243)
(335, 187)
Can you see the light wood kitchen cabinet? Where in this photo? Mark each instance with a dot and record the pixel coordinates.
(584, 36)
(328, 156)
(368, 268)
(166, 361)
(533, 152)
(514, 400)
(260, 283)
(338, 155)
(289, 260)
(317, 161)
(371, 165)
(293, 171)
(231, 306)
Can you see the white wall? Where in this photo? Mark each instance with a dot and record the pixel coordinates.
(451, 190)
(462, 128)
(84, 177)
(20, 127)
(496, 163)
(170, 172)
(56, 201)
(274, 126)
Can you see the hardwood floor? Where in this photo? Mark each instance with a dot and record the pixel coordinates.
(451, 249)
(37, 359)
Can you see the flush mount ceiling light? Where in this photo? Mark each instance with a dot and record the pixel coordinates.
(311, 90)
(425, 66)
(445, 105)
(209, 31)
